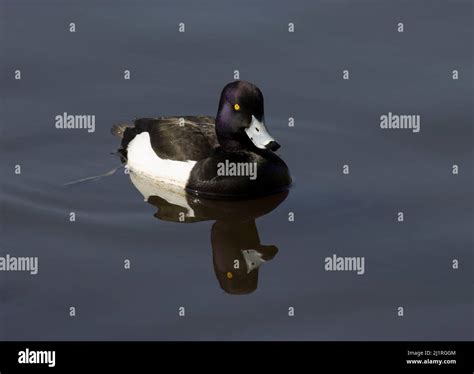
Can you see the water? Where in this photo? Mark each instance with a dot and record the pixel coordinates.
(173, 264)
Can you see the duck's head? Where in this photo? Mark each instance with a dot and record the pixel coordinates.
(240, 122)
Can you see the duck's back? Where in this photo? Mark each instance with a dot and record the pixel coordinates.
(187, 138)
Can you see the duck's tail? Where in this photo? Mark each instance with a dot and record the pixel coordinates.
(126, 132)
(119, 129)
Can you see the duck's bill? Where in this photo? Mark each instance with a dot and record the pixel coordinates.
(253, 259)
(258, 134)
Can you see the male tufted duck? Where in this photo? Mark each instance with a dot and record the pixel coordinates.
(230, 156)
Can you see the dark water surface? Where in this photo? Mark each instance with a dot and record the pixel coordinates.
(81, 263)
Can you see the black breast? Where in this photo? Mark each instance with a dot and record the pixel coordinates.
(272, 176)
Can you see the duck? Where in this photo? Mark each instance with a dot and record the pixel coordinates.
(229, 156)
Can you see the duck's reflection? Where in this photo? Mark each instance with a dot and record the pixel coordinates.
(236, 249)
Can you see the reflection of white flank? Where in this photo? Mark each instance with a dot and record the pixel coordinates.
(253, 259)
(153, 187)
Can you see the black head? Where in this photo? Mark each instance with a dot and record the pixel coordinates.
(240, 119)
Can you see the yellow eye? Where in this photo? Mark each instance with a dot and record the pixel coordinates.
(236, 106)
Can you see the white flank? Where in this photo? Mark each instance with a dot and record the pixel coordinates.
(142, 159)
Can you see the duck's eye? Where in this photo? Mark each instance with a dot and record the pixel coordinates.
(236, 107)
